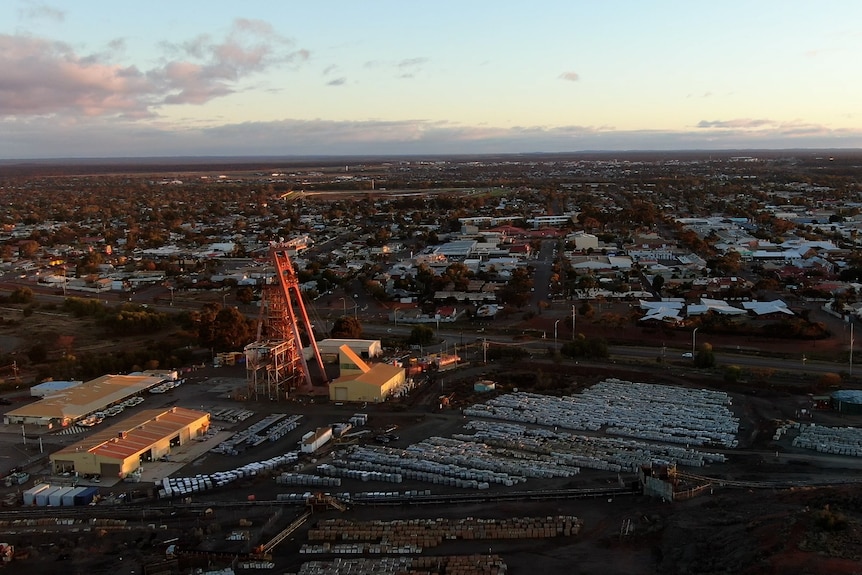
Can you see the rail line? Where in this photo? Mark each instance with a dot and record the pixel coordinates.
(144, 511)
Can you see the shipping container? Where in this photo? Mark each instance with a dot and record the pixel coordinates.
(56, 497)
(69, 497)
(30, 494)
(86, 496)
(42, 497)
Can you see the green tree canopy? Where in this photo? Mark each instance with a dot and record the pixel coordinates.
(346, 327)
(421, 335)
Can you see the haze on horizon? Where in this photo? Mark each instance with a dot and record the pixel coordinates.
(105, 79)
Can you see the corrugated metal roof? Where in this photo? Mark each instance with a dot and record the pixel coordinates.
(379, 375)
(137, 433)
(88, 397)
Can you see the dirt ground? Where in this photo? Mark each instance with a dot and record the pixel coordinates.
(744, 530)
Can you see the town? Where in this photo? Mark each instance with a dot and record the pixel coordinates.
(545, 340)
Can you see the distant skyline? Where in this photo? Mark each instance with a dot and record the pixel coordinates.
(91, 78)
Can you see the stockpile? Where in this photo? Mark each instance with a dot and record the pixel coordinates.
(438, 529)
(232, 415)
(357, 470)
(833, 440)
(306, 479)
(413, 535)
(657, 412)
(181, 486)
(591, 452)
(451, 462)
(271, 428)
(484, 564)
(12, 524)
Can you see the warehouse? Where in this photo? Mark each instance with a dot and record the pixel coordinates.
(121, 449)
(73, 404)
(49, 388)
(365, 383)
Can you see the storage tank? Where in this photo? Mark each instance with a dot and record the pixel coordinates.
(30, 494)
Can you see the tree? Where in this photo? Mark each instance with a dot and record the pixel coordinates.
(21, 295)
(658, 283)
(38, 353)
(28, 248)
(732, 373)
(421, 335)
(244, 295)
(705, 356)
(231, 330)
(346, 327)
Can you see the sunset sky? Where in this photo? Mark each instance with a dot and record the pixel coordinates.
(88, 78)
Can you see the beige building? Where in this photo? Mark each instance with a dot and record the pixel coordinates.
(120, 449)
(361, 382)
(70, 405)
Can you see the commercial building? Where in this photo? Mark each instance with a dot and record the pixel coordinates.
(73, 404)
(121, 449)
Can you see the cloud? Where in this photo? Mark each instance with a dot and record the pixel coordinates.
(337, 82)
(44, 137)
(411, 62)
(40, 11)
(406, 68)
(212, 68)
(42, 77)
(740, 123)
(570, 76)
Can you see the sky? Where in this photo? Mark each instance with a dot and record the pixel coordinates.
(93, 78)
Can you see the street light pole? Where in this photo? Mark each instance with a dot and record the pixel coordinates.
(343, 306)
(555, 335)
(694, 341)
(574, 325)
(851, 348)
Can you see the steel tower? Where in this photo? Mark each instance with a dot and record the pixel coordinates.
(275, 364)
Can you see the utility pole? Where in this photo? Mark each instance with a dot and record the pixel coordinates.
(574, 325)
(851, 348)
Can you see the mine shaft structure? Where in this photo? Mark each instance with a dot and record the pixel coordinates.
(275, 364)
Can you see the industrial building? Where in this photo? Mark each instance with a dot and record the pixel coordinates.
(49, 388)
(65, 407)
(121, 449)
(364, 348)
(361, 382)
(848, 401)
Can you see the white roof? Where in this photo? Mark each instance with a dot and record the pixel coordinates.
(669, 304)
(716, 305)
(767, 307)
